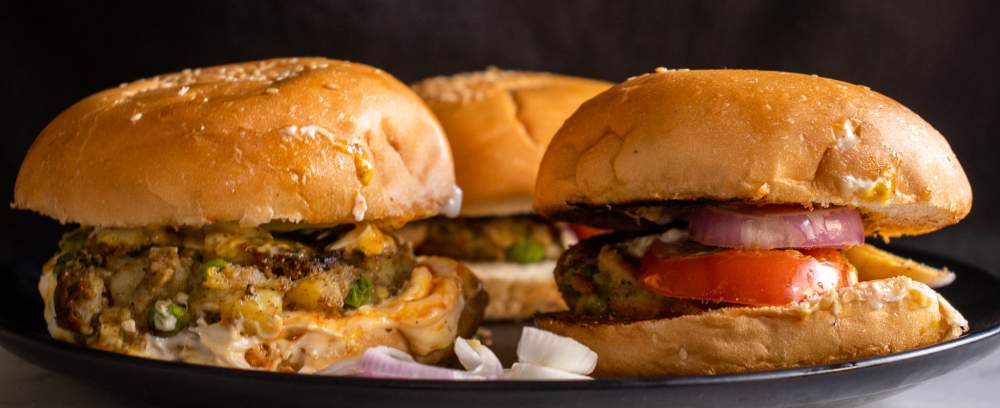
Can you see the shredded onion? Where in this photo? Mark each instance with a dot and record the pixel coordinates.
(478, 359)
(543, 356)
(547, 349)
(770, 228)
(387, 362)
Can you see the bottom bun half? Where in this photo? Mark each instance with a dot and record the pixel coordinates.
(868, 319)
(518, 291)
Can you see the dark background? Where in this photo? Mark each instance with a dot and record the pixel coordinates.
(937, 57)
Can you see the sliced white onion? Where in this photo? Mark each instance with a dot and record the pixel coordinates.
(770, 228)
(543, 356)
(547, 349)
(528, 371)
(478, 359)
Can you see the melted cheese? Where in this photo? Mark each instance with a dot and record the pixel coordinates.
(366, 238)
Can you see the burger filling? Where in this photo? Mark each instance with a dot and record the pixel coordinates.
(726, 256)
(248, 297)
(523, 239)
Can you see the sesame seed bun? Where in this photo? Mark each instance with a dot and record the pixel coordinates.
(865, 320)
(298, 140)
(753, 136)
(498, 124)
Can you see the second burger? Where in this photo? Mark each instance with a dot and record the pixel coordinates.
(498, 124)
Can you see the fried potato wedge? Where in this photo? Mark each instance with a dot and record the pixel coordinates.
(873, 263)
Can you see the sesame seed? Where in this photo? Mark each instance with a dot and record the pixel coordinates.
(290, 131)
(660, 70)
(311, 131)
(268, 72)
(271, 90)
(473, 86)
(136, 117)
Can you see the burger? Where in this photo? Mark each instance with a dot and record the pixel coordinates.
(741, 200)
(241, 216)
(498, 124)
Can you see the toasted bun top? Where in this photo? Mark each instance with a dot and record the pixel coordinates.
(756, 136)
(498, 124)
(298, 140)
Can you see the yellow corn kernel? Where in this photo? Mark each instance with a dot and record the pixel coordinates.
(260, 312)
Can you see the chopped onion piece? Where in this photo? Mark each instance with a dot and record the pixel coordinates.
(776, 227)
(543, 356)
(478, 359)
(528, 371)
(387, 362)
(547, 349)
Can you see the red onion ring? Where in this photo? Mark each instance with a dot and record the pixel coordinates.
(776, 227)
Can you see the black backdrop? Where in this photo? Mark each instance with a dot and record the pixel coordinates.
(937, 57)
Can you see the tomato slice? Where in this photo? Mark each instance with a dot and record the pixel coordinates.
(748, 277)
(583, 232)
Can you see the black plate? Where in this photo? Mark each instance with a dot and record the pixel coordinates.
(22, 332)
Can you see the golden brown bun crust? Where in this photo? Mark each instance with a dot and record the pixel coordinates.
(869, 319)
(498, 124)
(767, 137)
(252, 143)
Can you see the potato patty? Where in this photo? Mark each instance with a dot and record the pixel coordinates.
(597, 277)
(114, 285)
(518, 238)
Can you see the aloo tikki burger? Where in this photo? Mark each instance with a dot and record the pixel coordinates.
(742, 199)
(240, 216)
(498, 124)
